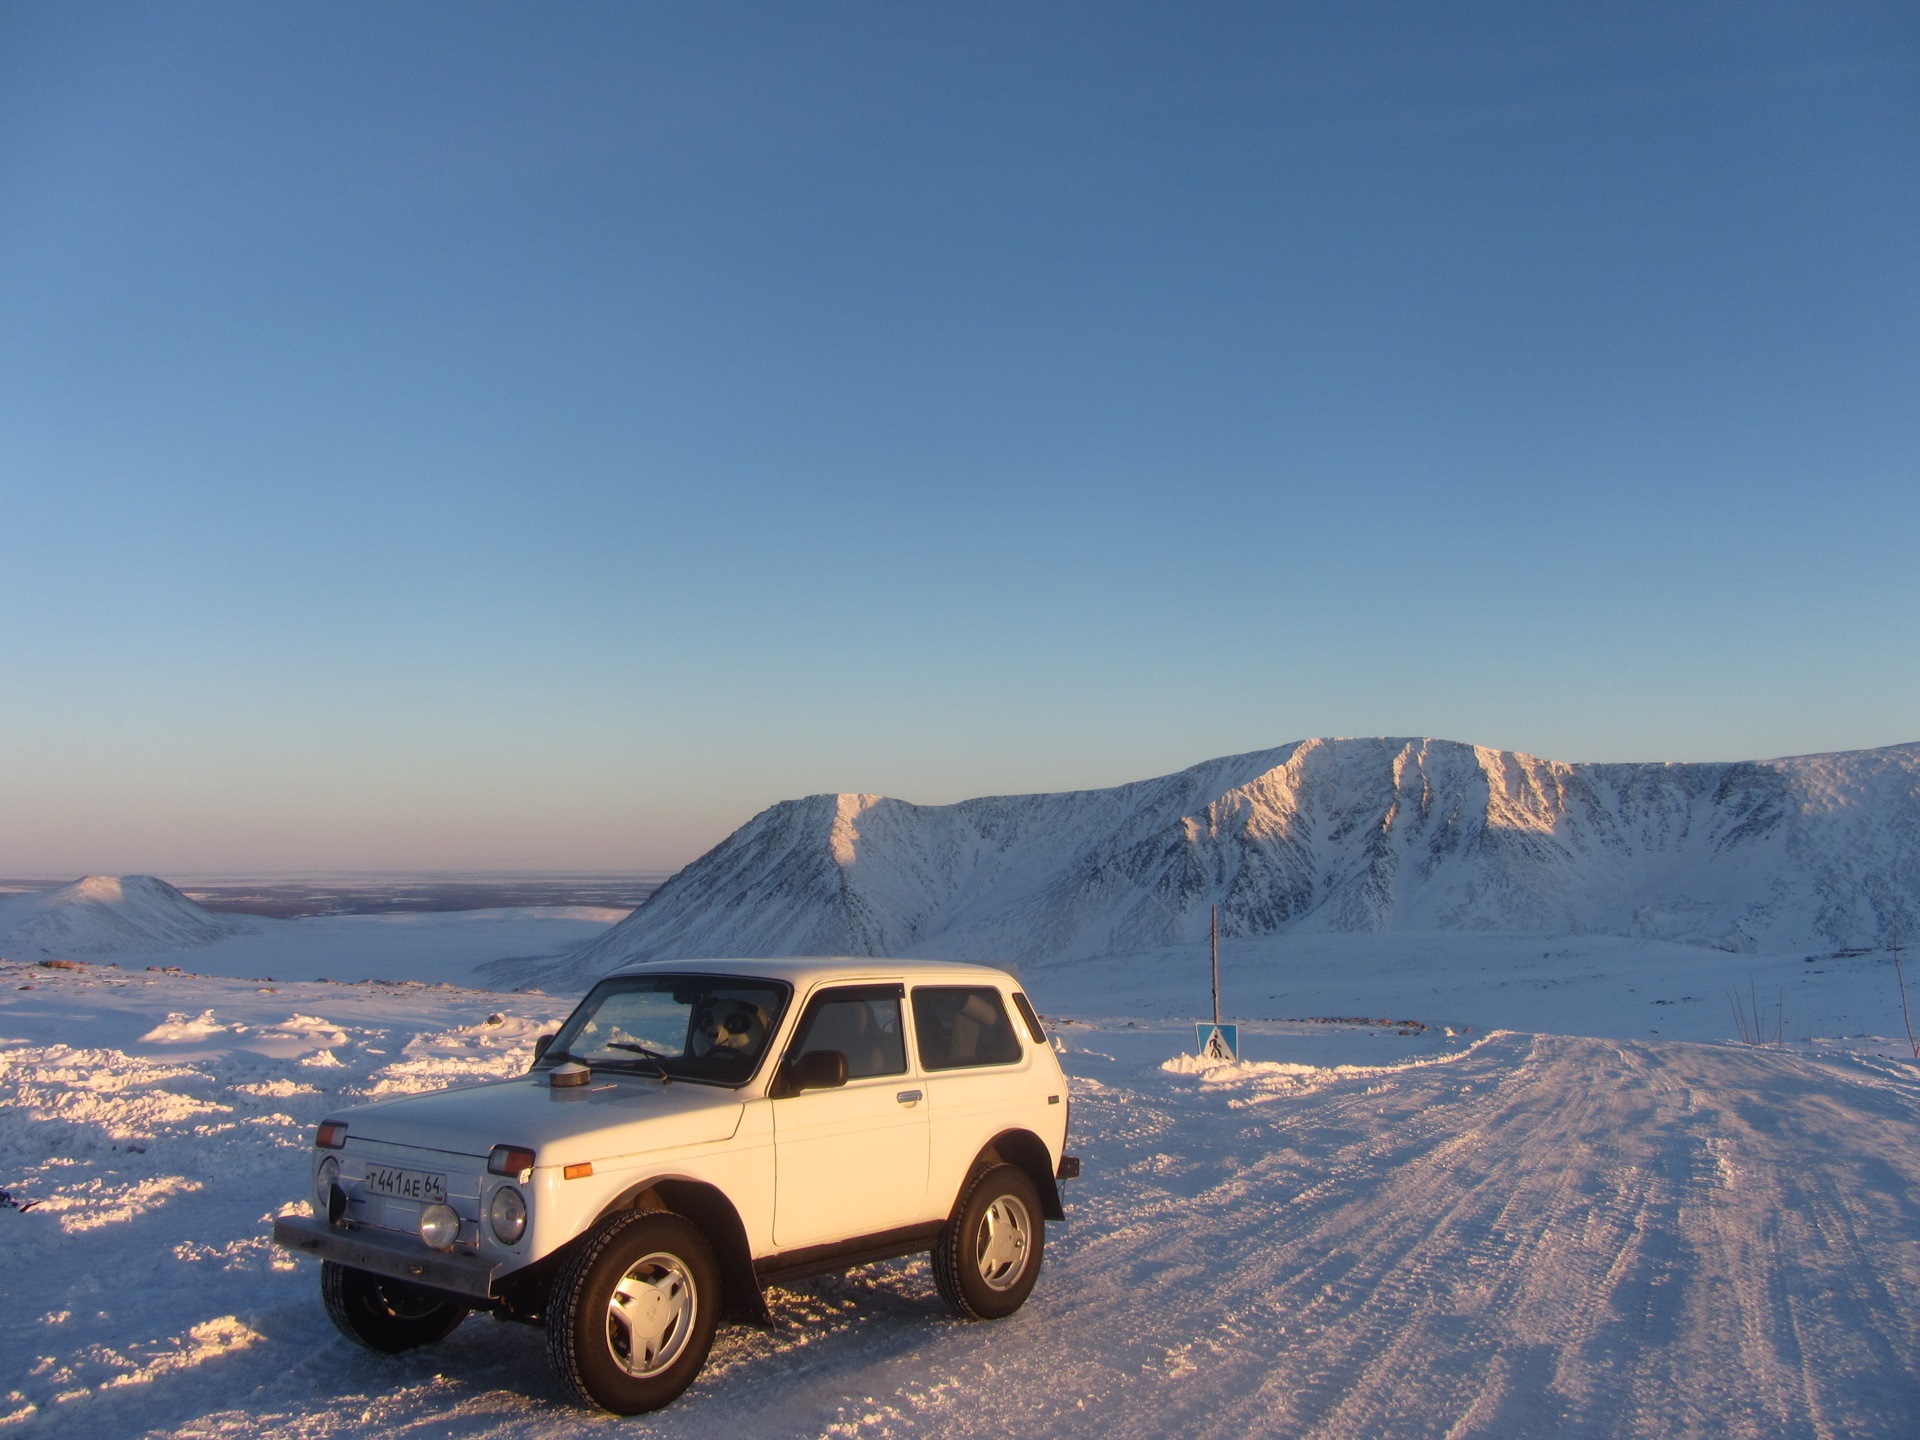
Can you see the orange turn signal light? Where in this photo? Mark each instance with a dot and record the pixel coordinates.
(331, 1135)
(578, 1172)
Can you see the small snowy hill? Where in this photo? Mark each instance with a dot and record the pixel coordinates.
(101, 915)
(1321, 835)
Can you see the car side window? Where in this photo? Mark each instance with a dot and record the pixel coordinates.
(861, 1022)
(962, 1025)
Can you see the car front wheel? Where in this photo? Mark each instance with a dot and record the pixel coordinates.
(384, 1314)
(987, 1259)
(632, 1314)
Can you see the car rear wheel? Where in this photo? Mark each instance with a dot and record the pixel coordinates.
(632, 1313)
(384, 1314)
(987, 1260)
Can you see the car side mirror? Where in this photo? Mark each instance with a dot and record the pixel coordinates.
(540, 1046)
(820, 1070)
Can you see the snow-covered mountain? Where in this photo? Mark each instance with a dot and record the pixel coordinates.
(1341, 835)
(100, 915)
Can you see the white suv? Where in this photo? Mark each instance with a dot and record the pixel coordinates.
(693, 1132)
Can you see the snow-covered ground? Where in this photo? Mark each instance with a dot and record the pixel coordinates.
(457, 947)
(1601, 985)
(1548, 1222)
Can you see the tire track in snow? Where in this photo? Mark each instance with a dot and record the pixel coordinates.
(1535, 1242)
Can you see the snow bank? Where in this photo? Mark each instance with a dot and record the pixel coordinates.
(1275, 1079)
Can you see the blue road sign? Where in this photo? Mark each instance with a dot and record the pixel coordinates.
(1218, 1042)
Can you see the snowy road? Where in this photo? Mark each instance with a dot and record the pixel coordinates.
(1540, 1236)
(1555, 1236)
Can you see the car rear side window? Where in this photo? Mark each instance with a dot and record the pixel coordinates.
(1025, 1007)
(961, 1025)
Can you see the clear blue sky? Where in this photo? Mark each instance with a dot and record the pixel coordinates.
(475, 435)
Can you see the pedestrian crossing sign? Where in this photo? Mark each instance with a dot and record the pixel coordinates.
(1218, 1042)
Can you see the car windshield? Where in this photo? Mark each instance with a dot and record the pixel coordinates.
(711, 1028)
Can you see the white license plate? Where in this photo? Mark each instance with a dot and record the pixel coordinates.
(407, 1184)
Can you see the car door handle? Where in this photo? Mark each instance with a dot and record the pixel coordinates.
(908, 1097)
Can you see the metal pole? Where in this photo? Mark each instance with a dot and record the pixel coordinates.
(1905, 1013)
(1213, 930)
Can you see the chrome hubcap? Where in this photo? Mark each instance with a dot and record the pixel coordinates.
(650, 1314)
(1004, 1244)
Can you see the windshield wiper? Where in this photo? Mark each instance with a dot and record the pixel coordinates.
(653, 1057)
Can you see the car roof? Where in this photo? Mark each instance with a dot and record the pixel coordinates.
(804, 971)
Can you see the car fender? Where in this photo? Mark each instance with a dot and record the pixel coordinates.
(1028, 1151)
(708, 1207)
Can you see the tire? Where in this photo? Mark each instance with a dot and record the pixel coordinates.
(385, 1315)
(986, 1261)
(632, 1313)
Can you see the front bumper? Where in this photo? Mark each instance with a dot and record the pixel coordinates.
(380, 1253)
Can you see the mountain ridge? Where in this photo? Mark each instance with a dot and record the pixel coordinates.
(1374, 834)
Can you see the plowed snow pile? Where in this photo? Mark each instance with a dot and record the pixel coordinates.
(1353, 1232)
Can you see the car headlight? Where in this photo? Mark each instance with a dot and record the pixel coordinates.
(324, 1175)
(439, 1226)
(507, 1214)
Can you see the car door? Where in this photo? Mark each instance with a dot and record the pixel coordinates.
(851, 1160)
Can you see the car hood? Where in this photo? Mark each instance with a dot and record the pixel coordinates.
(610, 1116)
